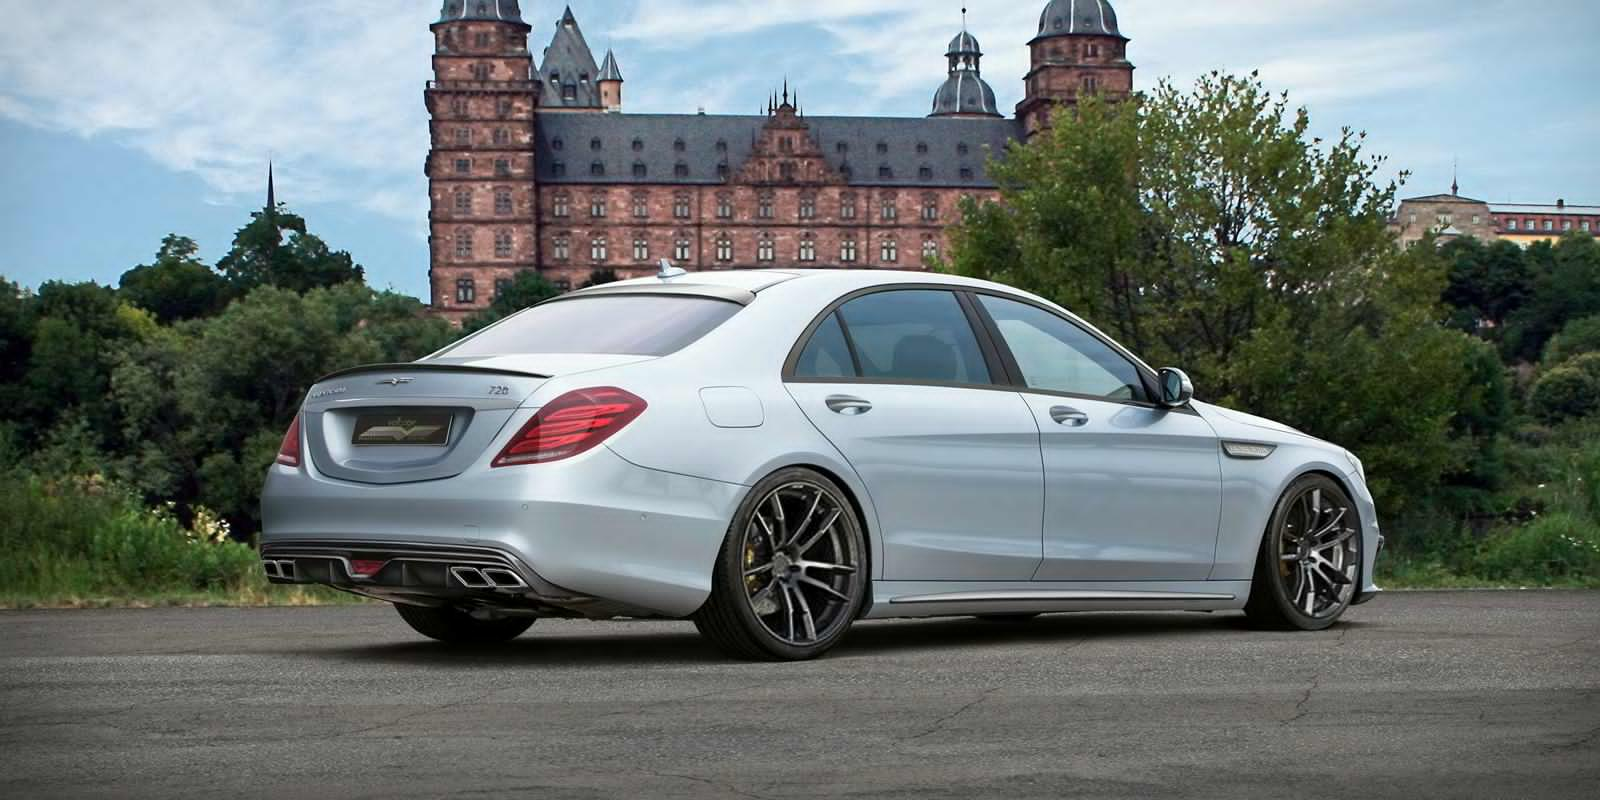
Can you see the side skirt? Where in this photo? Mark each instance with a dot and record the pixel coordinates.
(963, 598)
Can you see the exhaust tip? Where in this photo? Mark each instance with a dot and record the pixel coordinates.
(504, 579)
(471, 577)
(271, 568)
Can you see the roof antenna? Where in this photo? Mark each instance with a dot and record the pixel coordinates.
(668, 271)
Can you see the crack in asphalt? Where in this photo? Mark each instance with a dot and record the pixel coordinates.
(418, 713)
(1300, 709)
(938, 724)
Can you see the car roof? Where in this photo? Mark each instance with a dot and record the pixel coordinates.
(756, 281)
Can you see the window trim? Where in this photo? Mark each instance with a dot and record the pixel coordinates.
(1004, 374)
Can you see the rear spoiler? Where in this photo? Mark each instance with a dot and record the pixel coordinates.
(427, 367)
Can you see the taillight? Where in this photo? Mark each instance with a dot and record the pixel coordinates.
(571, 424)
(289, 451)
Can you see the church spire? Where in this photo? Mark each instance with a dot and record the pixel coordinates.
(272, 193)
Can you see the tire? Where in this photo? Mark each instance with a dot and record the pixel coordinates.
(1008, 618)
(769, 559)
(456, 627)
(1279, 588)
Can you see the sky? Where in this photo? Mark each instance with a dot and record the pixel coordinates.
(121, 122)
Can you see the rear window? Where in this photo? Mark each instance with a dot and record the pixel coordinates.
(632, 325)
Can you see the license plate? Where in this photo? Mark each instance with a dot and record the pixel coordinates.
(426, 430)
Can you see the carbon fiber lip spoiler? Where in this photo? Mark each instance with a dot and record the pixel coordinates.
(424, 366)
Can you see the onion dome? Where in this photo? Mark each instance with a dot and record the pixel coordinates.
(964, 44)
(1078, 18)
(964, 94)
(497, 10)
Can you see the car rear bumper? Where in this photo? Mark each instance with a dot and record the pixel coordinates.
(594, 535)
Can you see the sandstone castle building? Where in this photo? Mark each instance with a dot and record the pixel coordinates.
(535, 165)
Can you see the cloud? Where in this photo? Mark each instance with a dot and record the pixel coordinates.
(330, 89)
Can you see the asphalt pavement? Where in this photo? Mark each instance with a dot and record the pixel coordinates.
(1417, 695)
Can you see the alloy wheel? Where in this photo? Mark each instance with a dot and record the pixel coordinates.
(1318, 553)
(798, 563)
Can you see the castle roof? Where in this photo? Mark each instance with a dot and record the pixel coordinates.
(609, 71)
(964, 44)
(879, 151)
(1078, 18)
(569, 74)
(500, 10)
(964, 92)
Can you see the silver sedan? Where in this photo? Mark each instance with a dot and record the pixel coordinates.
(777, 454)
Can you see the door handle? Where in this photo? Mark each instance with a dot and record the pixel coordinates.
(847, 405)
(1070, 417)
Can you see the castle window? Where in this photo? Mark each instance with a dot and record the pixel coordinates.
(1586, 225)
(640, 170)
(963, 149)
(638, 145)
(680, 207)
(889, 211)
(463, 166)
(641, 248)
(786, 144)
(562, 205)
(597, 207)
(641, 206)
(1477, 220)
(808, 249)
(885, 172)
(681, 250)
(464, 243)
(1092, 50)
(847, 207)
(766, 251)
(890, 251)
(598, 247)
(922, 148)
(847, 249)
(502, 244)
(786, 171)
(1511, 225)
(569, 92)
(722, 146)
(724, 248)
(463, 136)
(841, 148)
(480, 40)
(557, 143)
(480, 72)
(930, 209)
(680, 146)
(808, 206)
(583, 77)
(458, 107)
(502, 136)
(1090, 83)
(505, 107)
(883, 148)
(722, 170)
(596, 145)
(1566, 225)
(847, 172)
(764, 209)
(563, 248)
(502, 168)
(597, 169)
(966, 173)
(925, 173)
(502, 202)
(501, 286)
(680, 170)
(1549, 226)
(1529, 225)
(463, 201)
(558, 169)
(724, 207)
(930, 249)
(466, 291)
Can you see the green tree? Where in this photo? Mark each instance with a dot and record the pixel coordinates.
(1488, 282)
(275, 249)
(600, 277)
(16, 341)
(1209, 230)
(1564, 393)
(177, 286)
(1576, 338)
(528, 289)
(1566, 288)
(78, 330)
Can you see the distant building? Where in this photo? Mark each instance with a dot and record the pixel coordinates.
(535, 167)
(1451, 216)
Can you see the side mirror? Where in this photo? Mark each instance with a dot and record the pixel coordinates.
(1176, 388)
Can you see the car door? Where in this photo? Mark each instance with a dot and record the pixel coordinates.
(1133, 492)
(898, 381)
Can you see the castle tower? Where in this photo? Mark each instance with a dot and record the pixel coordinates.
(1079, 51)
(480, 169)
(611, 84)
(567, 72)
(965, 93)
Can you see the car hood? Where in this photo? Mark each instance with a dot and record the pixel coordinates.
(1231, 423)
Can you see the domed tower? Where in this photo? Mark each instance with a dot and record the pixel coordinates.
(480, 169)
(1079, 51)
(965, 93)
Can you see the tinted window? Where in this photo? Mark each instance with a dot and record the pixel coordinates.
(914, 335)
(618, 325)
(1058, 356)
(827, 355)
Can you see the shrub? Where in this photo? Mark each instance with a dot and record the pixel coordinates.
(1557, 546)
(1564, 393)
(1588, 364)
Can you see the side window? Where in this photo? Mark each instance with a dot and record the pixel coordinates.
(914, 335)
(1058, 356)
(826, 355)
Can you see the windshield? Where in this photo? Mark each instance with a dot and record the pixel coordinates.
(636, 325)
